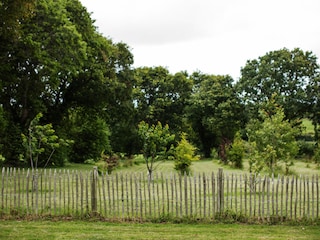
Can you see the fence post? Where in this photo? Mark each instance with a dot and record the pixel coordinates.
(220, 190)
(94, 190)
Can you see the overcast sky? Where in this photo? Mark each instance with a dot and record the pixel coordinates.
(212, 36)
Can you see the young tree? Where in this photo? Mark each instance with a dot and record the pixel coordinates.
(184, 155)
(273, 139)
(156, 141)
(41, 139)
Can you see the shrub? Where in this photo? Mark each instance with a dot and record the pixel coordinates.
(214, 153)
(235, 152)
(108, 163)
(184, 155)
(2, 159)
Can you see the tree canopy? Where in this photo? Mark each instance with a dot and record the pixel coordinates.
(284, 72)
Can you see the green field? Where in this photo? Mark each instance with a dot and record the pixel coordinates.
(102, 230)
(202, 166)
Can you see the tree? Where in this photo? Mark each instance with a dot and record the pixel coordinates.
(161, 96)
(41, 139)
(3, 126)
(273, 139)
(60, 65)
(215, 113)
(313, 93)
(184, 154)
(284, 72)
(92, 137)
(156, 141)
(47, 52)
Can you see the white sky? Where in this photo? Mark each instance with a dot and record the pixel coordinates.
(214, 37)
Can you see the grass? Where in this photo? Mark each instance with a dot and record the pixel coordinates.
(309, 128)
(207, 166)
(102, 230)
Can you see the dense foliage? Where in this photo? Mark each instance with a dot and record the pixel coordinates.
(54, 62)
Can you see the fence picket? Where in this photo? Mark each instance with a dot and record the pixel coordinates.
(168, 196)
(291, 197)
(296, 199)
(276, 195)
(236, 194)
(308, 197)
(195, 194)
(213, 195)
(185, 193)
(176, 195)
(191, 196)
(204, 195)
(317, 193)
(312, 196)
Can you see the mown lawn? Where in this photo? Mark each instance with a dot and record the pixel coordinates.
(102, 230)
(202, 166)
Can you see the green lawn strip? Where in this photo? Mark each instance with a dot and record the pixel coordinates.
(102, 230)
(198, 167)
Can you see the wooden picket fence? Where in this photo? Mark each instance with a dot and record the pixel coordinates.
(136, 196)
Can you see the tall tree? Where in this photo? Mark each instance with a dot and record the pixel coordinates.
(215, 113)
(284, 72)
(161, 96)
(32, 67)
(313, 93)
(60, 65)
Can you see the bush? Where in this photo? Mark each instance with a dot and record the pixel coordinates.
(2, 159)
(235, 152)
(108, 163)
(214, 153)
(184, 155)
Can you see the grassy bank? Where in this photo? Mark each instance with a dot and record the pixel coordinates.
(101, 230)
